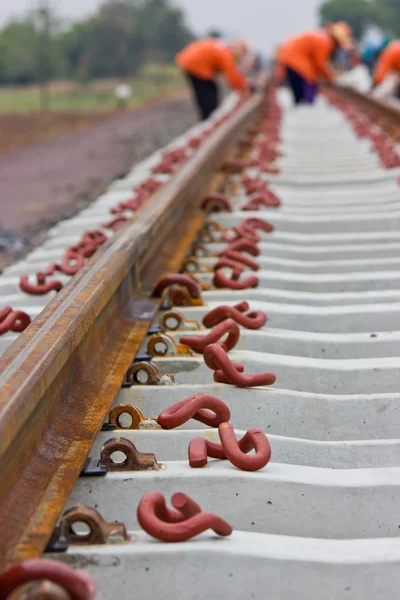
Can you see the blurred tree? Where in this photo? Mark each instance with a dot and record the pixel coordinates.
(23, 59)
(114, 42)
(163, 27)
(109, 44)
(17, 64)
(391, 15)
(358, 13)
(121, 35)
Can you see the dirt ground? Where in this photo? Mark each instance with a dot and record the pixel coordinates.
(43, 183)
(21, 130)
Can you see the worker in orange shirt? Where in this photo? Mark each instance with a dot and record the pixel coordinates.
(388, 62)
(202, 61)
(306, 58)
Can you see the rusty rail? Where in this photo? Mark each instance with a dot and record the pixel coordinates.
(60, 378)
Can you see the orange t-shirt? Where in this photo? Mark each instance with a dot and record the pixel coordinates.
(207, 58)
(389, 61)
(308, 54)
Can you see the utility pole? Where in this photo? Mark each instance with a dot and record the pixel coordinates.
(44, 50)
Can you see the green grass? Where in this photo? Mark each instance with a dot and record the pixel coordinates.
(153, 81)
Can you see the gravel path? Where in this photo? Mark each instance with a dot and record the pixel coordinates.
(43, 183)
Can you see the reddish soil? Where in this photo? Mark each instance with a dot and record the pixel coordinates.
(43, 183)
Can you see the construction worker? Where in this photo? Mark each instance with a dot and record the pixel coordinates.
(306, 58)
(388, 63)
(372, 52)
(203, 60)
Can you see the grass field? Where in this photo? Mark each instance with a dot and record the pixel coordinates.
(153, 81)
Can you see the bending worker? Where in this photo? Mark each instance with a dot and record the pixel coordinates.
(203, 60)
(306, 58)
(388, 63)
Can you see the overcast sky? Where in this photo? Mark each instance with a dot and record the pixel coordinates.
(263, 22)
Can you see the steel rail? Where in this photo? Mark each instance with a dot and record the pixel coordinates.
(59, 379)
(384, 107)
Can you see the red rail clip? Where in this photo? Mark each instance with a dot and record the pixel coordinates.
(252, 185)
(220, 280)
(89, 243)
(225, 371)
(79, 585)
(41, 287)
(215, 203)
(199, 343)
(149, 185)
(178, 525)
(72, 262)
(255, 223)
(13, 320)
(265, 198)
(204, 408)
(241, 245)
(253, 320)
(241, 232)
(116, 223)
(177, 279)
(238, 257)
(232, 449)
(237, 268)
(248, 231)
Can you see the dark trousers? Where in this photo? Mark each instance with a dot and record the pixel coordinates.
(206, 94)
(303, 91)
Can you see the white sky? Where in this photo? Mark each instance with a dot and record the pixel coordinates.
(263, 22)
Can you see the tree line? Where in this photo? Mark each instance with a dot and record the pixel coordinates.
(362, 13)
(113, 42)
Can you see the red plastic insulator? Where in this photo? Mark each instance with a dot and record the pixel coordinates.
(177, 279)
(178, 525)
(116, 223)
(226, 372)
(253, 320)
(220, 281)
(204, 408)
(216, 203)
(198, 343)
(41, 287)
(79, 585)
(13, 320)
(232, 449)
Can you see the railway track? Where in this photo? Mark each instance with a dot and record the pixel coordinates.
(259, 280)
